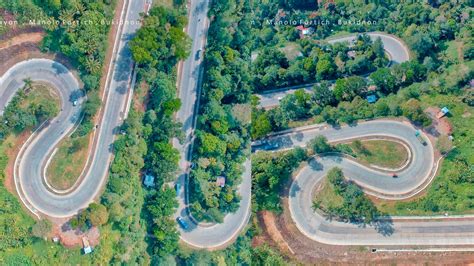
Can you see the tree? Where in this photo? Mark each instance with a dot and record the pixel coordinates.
(323, 95)
(319, 144)
(347, 88)
(42, 228)
(211, 145)
(261, 125)
(413, 111)
(28, 84)
(97, 214)
(325, 69)
(421, 43)
(384, 80)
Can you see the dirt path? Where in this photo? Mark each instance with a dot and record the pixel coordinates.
(35, 37)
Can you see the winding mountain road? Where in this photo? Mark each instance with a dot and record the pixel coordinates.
(396, 49)
(29, 164)
(443, 231)
(198, 235)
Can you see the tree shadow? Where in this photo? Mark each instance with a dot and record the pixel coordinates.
(294, 189)
(384, 226)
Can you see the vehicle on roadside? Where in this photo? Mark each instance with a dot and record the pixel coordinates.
(74, 103)
(182, 223)
(420, 137)
(394, 175)
(177, 186)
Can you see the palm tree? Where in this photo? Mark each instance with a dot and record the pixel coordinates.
(92, 65)
(28, 84)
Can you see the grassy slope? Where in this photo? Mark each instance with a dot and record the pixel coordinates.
(61, 173)
(382, 153)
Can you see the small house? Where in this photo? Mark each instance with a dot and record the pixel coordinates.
(304, 31)
(371, 98)
(149, 181)
(372, 88)
(87, 247)
(444, 111)
(220, 181)
(351, 54)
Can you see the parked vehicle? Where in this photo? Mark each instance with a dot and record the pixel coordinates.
(394, 175)
(420, 137)
(182, 223)
(177, 186)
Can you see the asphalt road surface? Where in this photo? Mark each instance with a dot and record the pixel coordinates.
(202, 235)
(451, 230)
(29, 165)
(394, 47)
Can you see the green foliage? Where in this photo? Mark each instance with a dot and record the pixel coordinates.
(222, 135)
(161, 38)
(42, 228)
(270, 172)
(319, 144)
(412, 110)
(124, 195)
(161, 205)
(356, 207)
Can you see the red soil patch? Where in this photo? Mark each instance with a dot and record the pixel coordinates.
(11, 154)
(439, 125)
(70, 237)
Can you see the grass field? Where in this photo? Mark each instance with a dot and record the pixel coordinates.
(326, 196)
(68, 162)
(41, 94)
(381, 153)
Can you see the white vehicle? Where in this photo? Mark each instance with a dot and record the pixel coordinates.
(74, 103)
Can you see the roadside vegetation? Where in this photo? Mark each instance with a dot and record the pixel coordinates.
(61, 173)
(345, 200)
(222, 134)
(438, 75)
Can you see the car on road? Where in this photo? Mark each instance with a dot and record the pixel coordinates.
(177, 186)
(182, 223)
(198, 54)
(74, 103)
(394, 175)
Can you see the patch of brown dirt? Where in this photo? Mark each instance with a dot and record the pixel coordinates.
(310, 252)
(11, 154)
(268, 219)
(31, 37)
(73, 237)
(439, 125)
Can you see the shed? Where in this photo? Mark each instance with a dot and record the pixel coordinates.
(371, 98)
(304, 31)
(149, 181)
(87, 247)
(220, 181)
(444, 111)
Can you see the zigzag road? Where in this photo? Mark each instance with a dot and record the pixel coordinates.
(36, 151)
(453, 230)
(210, 236)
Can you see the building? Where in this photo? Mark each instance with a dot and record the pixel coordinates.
(371, 98)
(304, 31)
(149, 181)
(444, 111)
(220, 181)
(87, 247)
